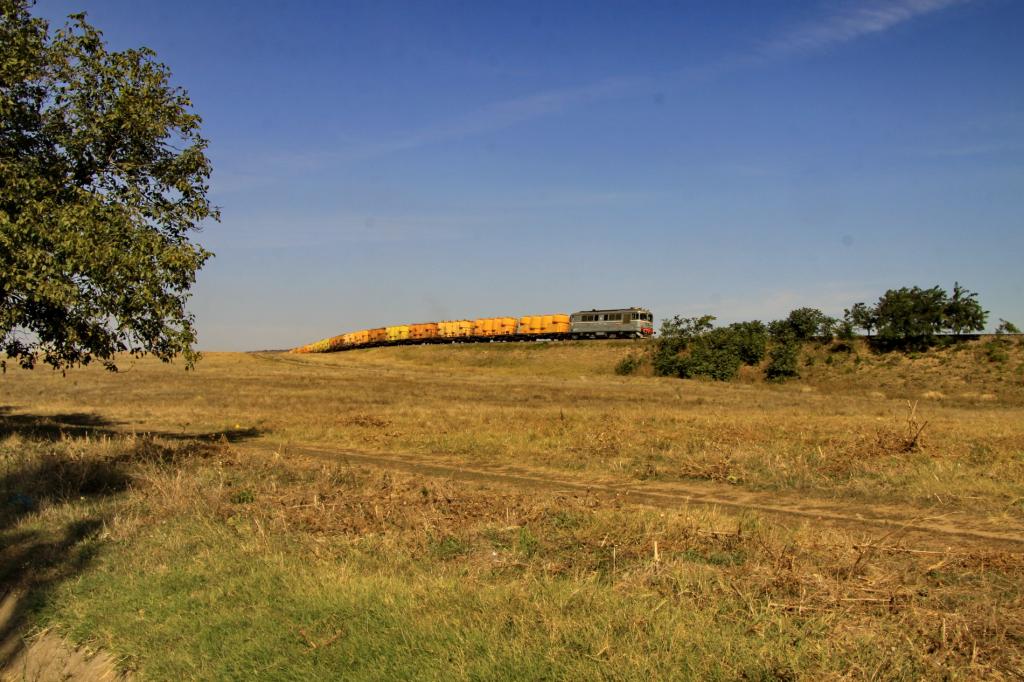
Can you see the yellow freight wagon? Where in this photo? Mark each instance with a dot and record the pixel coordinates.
(483, 326)
(378, 335)
(358, 338)
(453, 329)
(534, 325)
(423, 330)
(398, 332)
(494, 326)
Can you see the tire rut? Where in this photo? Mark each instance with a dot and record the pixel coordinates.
(920, 526)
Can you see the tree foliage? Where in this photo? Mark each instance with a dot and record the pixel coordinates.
(782, 362)
(104, 177)
(963, 312)
(861, 316)
(912, 316)
(803, 324)
(1007, 327)
(693, 347)
(903, 318)
(911, 313)
(674, 337)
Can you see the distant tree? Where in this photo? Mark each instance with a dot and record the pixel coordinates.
(911, 315)
(1007, 327)
(686, 327)
(780, 331)
(674, 337)
(806, 322)
(861, 316)
(829, 326)
(963, 312)
(692, 347)
(803, 324)
(845, 329)
(103, 176)
(749, 340)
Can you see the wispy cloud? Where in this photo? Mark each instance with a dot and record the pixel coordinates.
(853, 22)
(503, 114)
(846, 24)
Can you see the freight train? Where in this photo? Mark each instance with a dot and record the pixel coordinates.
(612, 323)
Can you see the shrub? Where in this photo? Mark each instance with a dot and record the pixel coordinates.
(675, 336)
(782, 363)
(712, 359)
(997, 355)
(780, 331)
(692, 347)
(995, 350)
(665, 359)
(628, 365)
(750, 340)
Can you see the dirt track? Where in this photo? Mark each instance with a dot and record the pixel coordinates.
(912, 526)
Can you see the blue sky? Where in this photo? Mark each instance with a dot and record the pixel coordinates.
(383, 162)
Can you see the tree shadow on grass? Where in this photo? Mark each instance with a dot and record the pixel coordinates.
(35, 558)
(54, 427)
(58, 463)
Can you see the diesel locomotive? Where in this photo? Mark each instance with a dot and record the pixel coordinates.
(612, 323)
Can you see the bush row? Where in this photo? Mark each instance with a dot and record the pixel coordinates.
(905, 318)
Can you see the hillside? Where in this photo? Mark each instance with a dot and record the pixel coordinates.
(418, 508)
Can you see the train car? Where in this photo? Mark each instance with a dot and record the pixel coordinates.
(379, 335)
(613, 323)
(358, 338)
(455, 329)
(423, 331)
(397, 333)
(491, 327)
(546, 326)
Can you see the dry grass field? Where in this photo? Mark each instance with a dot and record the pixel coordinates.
(308, 517)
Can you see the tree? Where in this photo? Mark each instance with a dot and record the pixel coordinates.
(104, 177)
(749, 340)
(963, 312)
(1007, 327)
(846, 330)
(686, 327)
(911, 316)
(674, 337)
(803, 324)
(861, 316)
(692, 347)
